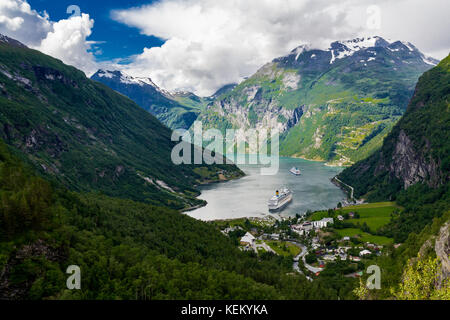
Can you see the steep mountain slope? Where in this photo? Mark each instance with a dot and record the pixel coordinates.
(88, 137)
(150, 97)
(125, 249)
(418, 148)
(412, 168)
(190, 100)
(334, 105)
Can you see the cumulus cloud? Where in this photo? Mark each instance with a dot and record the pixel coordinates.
(211, 43)
(68, 42)
(65, 39)
(19, 21)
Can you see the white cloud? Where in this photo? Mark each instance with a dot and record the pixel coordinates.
(19, 21)
(423, 23)
(211, 43)
(68, 42)
(12, 24)
(64, 39)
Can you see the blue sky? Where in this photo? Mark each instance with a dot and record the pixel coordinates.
(120, 41)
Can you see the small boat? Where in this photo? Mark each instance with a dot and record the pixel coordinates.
(280, 200)
(296, 171)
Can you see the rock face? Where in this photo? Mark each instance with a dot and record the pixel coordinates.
(418, 148)
(334, 104)
(442, 248)
(410, 166)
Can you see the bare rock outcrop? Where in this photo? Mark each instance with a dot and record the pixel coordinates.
(442, 248)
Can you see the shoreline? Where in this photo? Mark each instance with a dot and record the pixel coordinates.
(243, 175)
(210, 182)
(325, 162)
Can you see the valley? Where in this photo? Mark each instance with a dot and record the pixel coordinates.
(87, 179)
(332, 105)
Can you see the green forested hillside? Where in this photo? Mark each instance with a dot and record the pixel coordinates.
(88, 137)
(417, 149)
(126, 250)
(173, 113)
(413, 165)
(412, 168)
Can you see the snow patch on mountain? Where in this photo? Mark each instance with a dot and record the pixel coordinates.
(126, 79)
(129, 80)
(342, 49)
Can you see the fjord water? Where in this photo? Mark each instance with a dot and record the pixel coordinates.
(248, 196)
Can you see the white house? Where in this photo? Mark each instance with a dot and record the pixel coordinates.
(248, 239)
(340, 218)
(322, 223)
(364, 253)
(302, 229)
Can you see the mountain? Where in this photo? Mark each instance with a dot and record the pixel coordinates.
(413, 168)
(71, 144)
(225, 89)
(335, 105)
(418, 148)
(82, 134)
(191, 100)
(149, 96)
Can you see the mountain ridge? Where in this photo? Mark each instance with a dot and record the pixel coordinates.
(88, 137)
(329, 107)
(414, 152)
(150, 97)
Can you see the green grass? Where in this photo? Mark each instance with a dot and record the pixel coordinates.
(363, 236)
(284, 248)
(375, 215)
(319, 215)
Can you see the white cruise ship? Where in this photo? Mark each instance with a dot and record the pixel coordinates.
(280, 199)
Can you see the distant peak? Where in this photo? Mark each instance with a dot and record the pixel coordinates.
(342, 49)
(361, 43)
(10, 41)
(299, 50)
(124, 78)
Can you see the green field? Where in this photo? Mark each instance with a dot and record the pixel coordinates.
(284, 248)
(363, 236)
(375, 215)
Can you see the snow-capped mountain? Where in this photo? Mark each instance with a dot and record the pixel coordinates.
(126, 79)
(335, 104)
(347, 48)
(342, 49)
(149, 96)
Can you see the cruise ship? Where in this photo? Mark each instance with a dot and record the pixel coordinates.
(280, 200)
(296, 171)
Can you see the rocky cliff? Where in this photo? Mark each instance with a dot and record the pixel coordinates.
(418, 149)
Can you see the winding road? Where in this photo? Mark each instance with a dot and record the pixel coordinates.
(302, 255)
(351, 188)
